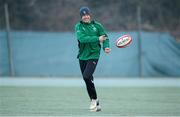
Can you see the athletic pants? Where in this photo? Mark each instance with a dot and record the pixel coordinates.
(87, 69)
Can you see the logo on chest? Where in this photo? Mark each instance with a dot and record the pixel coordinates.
(94, 28)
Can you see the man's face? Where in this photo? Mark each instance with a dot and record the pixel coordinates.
(86, 18)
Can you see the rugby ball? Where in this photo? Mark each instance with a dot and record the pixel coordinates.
(123, 41)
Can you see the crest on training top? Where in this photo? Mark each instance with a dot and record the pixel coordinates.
(94, 28)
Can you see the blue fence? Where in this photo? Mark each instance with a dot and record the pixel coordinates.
(54, 54)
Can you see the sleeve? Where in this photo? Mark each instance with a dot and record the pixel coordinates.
(102, 32)
(106, 43)
(83, 37)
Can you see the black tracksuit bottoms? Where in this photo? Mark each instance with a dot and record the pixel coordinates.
(87, 69)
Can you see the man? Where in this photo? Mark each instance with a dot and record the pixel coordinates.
(90, 35)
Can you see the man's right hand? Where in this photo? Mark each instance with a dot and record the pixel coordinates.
(102, 38)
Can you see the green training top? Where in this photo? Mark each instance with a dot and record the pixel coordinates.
(88, 39)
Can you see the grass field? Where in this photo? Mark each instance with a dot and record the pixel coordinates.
(73, 101)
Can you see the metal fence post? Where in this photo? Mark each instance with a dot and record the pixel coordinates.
(139, 40)
(9, 45)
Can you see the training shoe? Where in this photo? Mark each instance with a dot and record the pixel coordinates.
(94, 106)
(98, 106)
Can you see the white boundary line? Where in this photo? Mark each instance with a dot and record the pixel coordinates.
(100, 82)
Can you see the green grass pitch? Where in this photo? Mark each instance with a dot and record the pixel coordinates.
(73, 101)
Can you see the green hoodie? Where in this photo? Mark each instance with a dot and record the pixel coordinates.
(88, 39)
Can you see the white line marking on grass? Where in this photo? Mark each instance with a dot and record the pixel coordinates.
(99, 82)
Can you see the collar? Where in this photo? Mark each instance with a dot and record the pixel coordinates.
(87, 23)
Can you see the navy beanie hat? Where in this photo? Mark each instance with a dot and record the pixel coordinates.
(84, 11)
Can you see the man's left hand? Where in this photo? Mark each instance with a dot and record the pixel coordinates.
(107, 50)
